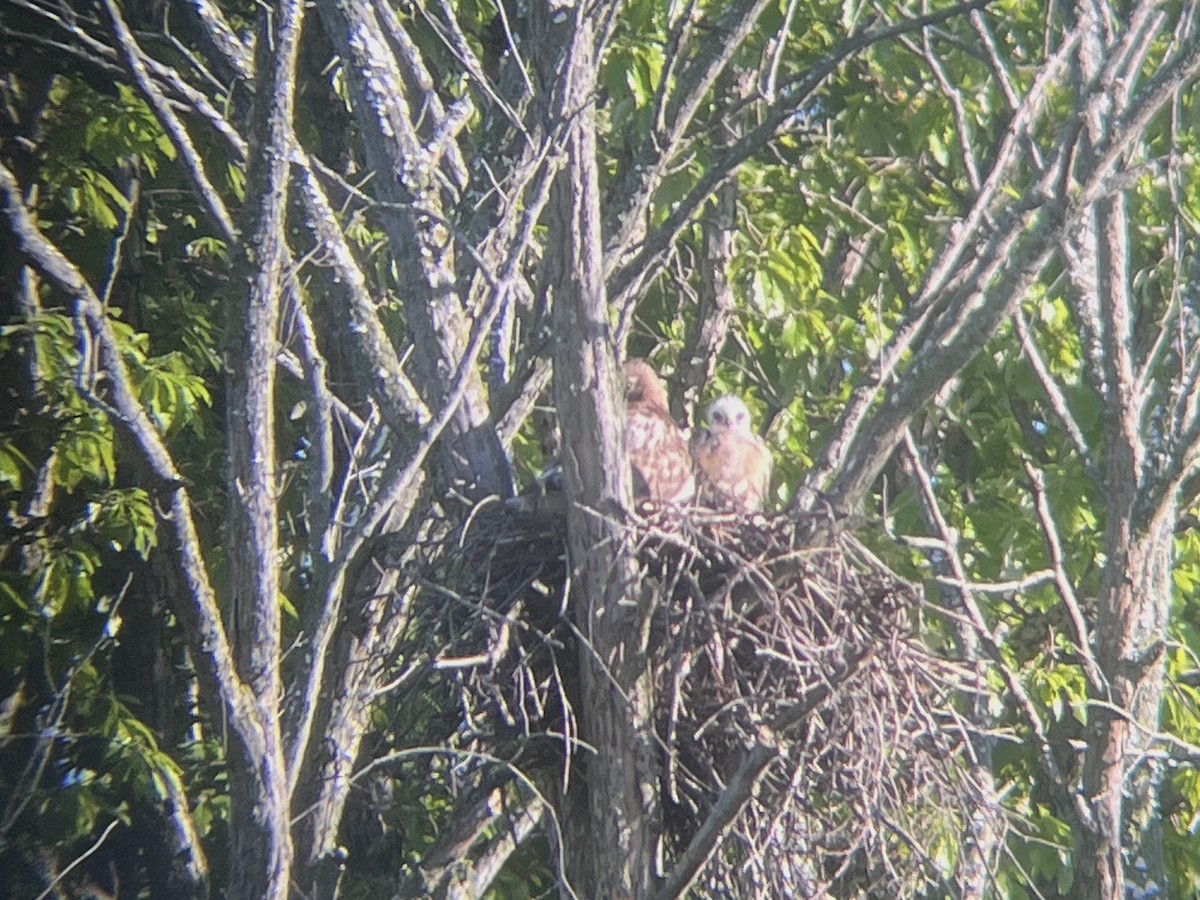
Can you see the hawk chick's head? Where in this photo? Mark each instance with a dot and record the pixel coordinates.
(642, 385)
(730, 413)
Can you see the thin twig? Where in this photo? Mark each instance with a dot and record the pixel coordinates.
(79, 859)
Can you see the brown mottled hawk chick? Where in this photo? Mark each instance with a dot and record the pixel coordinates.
(657, 447)
(733, 465)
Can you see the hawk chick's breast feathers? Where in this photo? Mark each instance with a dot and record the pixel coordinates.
(658, 450)
(733, 465)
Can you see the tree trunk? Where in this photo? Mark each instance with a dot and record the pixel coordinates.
(1122, 849)
(260, 831)
(1121, 844)
(611, 825)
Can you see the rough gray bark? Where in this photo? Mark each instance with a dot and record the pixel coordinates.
(991, 255)
(1077, 209)
(610, 824)
(410, 140)
(260, 827)
(1120, 838)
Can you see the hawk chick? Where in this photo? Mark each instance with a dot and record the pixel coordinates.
(657, 447)
(733, 465)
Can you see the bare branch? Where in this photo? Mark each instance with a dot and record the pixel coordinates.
(1056, 778)
(401, 405)
(1062, 582)
(953, 95)
(962, 237)
(1055, 397)
(396, 498)
(522, 406)
(727, 808)
(626, 275)
(201, 614)
(235, 54)
(320, 483)
(79, 859)
(714, 311)
(452, 35)
(408, 152)
(693, 80)
(182, 141)
(1007, 271)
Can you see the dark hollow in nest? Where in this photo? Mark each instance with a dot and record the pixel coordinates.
(780, 632)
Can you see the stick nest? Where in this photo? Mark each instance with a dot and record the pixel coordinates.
(774, 632)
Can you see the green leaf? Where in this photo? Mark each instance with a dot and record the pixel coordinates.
(13, 465)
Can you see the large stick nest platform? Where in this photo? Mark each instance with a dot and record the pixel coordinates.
(771, 635)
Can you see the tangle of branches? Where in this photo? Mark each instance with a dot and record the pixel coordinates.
(806, 738)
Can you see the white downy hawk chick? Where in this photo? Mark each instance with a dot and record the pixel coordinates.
(733, 465)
